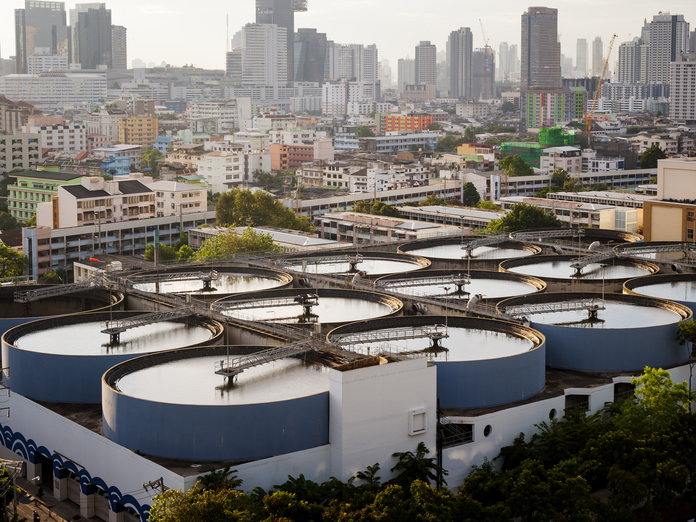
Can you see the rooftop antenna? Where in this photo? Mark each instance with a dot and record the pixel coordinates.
(228, 33)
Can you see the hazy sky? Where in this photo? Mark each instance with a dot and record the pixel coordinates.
(186, 31)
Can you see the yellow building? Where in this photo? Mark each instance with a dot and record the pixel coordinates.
(673, 216)
(138, 130)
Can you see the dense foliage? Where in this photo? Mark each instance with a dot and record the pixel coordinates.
(364, 132)
(634, 460)
(470, 196)
(523, 217)
(515, 166)
(648, 160)
(378, 208)
(12, 263)
(242, 208)
(229, 243)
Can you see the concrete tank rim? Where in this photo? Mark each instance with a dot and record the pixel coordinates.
(220, 330)
(108, 377)
(423, 262)
(537, 338)
(120, 299)
(505, 266)
(683, 313)
(630, 237)
(655, 279)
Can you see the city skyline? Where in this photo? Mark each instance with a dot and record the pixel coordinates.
(344, 21)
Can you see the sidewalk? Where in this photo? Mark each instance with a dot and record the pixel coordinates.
(49, 508)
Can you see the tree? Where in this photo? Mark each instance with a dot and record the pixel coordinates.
(470, 134)
(51, 278)
(12, 263)
(431, 201)
(523, 217)
(167, 253)
(515, 166)
(448, 143)
(183, 240)
(242, 208)
(544, 191)
(416, 466)
(220, 479)
(633, 129)
(378, 208)
(229, 243)
(470, 196)
(487, 205)
(559, 177)
(507, 107)
(8, 222)
(434, 126)
(31, 222)
(184, 252)
(648, 160)
(149, 159)
(364, 132)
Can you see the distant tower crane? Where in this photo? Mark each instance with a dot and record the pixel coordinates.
(588, 117)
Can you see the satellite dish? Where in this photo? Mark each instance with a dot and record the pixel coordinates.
(677, 268)
(594, 246)
(558, 250)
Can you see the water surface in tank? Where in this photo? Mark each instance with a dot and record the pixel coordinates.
(371, 266)
(329, 310)
(488, 288)
(194, 381)
(561, 269)
(615, 315)
(455, 251)
(226, 283)
(87, 339)
(463, 344)
(676, 290)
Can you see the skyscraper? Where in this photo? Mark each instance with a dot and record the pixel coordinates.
(406, 72)
(90, 26)
(483, 73)
(280, 13)
(461, 47)
(264, 56)
(119, 47)
(629, 66)
(669, 36)
(597, 56)
(309, 55)
(354, 62)
(426, 63)
(40, 24)
(581, 57)
(541, 51)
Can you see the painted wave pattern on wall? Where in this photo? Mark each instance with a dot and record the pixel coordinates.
(28, 449)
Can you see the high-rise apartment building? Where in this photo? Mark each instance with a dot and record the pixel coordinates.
(354, 62)
(426, 63)
(233, 66)
(629, 65)
(682, 87)
(581, 57)
(597, 56)
(138, 130)
(91, 37)
(264, 58)
(309, 55)
(541, 51)
(43, 61)
(483, 73)
(669, 37)
(40, 24)
(461, 47)
(406, 74)
(119, 48)
(281, 14)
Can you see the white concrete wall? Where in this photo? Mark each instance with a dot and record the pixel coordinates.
(370, 410)
(676, 179)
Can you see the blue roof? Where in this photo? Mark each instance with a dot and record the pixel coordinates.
(163, 139)
(193, 177)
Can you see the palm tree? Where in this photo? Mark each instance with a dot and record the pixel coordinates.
(417, 467)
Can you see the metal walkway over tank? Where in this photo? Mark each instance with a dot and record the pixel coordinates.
(434, 333)
(547, 234)
(324, 260)
(233, 367)
(165, 277)
(307, 301)
(642, 249)
(459, 280)
(28, 296)
(469, 246)
(581, 262)
(115, 327)
(574, 305)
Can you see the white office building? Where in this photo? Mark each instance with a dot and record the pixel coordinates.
(54, 90)
(354, 62)
(228, 113)
(669, 37)
(265, 55)
(683, 89)
(43, 60)
(70, 138)
(105, 121)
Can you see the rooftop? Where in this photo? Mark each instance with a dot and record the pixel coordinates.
(47, 174)
(456, 211)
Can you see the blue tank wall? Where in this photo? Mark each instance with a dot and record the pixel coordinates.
(10, 322)
(58, 378)
(205, 433)
(491, 382)
(612, 349)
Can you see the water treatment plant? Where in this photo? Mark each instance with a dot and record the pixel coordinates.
(326, 362)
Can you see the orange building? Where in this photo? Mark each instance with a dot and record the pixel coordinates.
(407, 123)
(286, 157)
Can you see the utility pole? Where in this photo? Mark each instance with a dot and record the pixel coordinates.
(156, 485)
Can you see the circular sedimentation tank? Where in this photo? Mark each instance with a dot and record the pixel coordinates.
(204, 281)
(680, 288)
(461, 285)
(680, 251)
(589, 236)
(455, 248)
(13, 313)
(323, 305)
(374, 264)
(591, 331)
(62, 359)
(480, 362)
(558, 268)
(272, 409)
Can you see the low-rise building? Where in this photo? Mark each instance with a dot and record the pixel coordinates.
(31, 188)
(474, 109)
(566, 158)
(672, 216)
(387, 144)
(57, 135)
(224, 170)
(288, 157)
(407, 122)
(178, 199)
(133, 152)
(19, 151)
(105, 121)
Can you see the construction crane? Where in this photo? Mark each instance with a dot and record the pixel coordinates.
(588, 117)
(485, 63)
